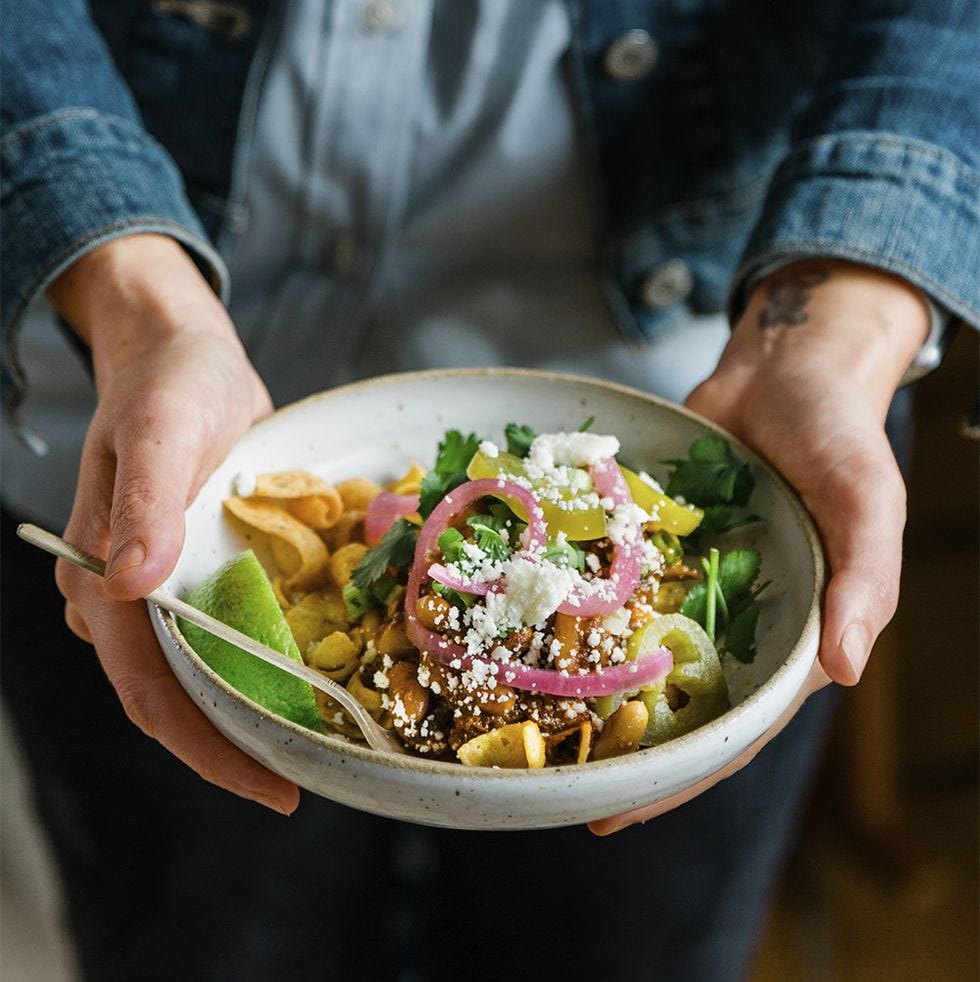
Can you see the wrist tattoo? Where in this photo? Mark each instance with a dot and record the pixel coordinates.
(787, 298)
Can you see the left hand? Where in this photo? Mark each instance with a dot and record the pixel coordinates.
(806, 381)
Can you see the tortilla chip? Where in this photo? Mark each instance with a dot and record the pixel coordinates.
(307, 497)
(300, 553)
(410, 483)
(315, 617)
(284, 602)
(357, 493)
(349, 528)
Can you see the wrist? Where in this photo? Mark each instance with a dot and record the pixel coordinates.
(134, 291)
(865, 325)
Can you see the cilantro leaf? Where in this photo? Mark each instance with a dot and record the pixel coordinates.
(359, 600)
(740, 636)
(565, 554)
(722, 518)
(454, 455)
(736, 574)
(455, 452)
(434, 487)
(736, 597)
(519, 439)
(396, 548)
(488, 538)
(383, 587)
(695, 604)
(712, 475)
(493, 519)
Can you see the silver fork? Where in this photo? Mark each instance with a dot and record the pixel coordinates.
(377, 737)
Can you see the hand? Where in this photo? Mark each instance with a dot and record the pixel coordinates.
(806, 380)
(176, 391)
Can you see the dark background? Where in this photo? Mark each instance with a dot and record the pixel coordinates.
(884, 882)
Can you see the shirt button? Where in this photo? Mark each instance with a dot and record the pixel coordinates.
(630, 56)
(667, 284)
(380, 15)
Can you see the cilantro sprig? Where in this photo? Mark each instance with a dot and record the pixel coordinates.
(396, 548)
(519, 439)
(449, 471)
(712, 475)
(724, 602)
(488, 536)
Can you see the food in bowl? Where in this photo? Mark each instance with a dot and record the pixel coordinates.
(521, 606)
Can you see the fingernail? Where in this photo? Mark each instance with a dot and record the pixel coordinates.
(856, 647)
(128, 556)
(274, 803)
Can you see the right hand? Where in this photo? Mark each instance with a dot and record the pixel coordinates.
(176, 391)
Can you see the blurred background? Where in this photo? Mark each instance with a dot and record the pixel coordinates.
(884, 881)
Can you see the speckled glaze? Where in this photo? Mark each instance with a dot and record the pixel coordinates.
(374, 429)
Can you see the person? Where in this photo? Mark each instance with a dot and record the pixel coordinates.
(404, 184)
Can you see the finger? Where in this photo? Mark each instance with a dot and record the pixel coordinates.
(88, 526)
(156, 469)
(154, 700)
(76, 623)
(861, 514)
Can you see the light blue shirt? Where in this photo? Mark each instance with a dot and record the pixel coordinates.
(419, 196)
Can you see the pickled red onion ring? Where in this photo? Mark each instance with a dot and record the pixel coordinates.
(608, 681)
(459, 498)
(383, 510)
(624, 677)
(455, 502)
(607, 595)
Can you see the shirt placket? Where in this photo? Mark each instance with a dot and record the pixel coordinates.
(359, 141)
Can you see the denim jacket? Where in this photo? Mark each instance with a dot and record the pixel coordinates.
(728, 135)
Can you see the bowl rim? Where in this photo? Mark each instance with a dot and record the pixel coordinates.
(807, 642)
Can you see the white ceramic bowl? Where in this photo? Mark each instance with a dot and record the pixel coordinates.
(374, 429)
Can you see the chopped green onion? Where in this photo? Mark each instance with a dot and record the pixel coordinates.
(711, 568)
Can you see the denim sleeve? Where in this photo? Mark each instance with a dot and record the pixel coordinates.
(883, 165)
(78, 168)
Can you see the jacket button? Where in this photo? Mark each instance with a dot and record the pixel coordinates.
(667, 284)
(630, 56)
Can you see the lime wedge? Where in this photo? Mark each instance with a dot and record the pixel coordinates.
(240, 594)
(695, 692)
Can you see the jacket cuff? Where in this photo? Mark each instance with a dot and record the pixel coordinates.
(72, 180)
(906, 207)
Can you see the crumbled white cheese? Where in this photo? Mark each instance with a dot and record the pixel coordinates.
(244, 484)
(571, 449)
(617, 622)
(534, 591)
(489, 449)
(653, 482)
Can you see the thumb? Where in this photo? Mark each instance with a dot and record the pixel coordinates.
(861, 514)
(153, 484)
